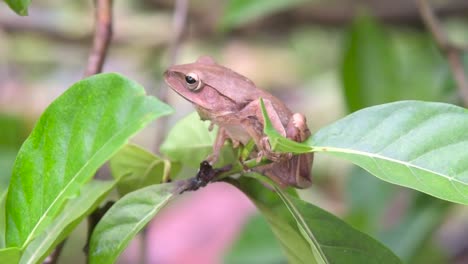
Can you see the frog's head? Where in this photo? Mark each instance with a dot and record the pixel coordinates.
(210, 86)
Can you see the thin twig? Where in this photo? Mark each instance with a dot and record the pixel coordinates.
(178, 28)
(102, 37)
(452, 52)
(178, 25)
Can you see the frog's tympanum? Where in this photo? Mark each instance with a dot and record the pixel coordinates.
(232, 102)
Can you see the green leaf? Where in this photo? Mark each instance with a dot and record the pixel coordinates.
(19, 6)
(309, 234)
(256, 244)
(75, 135)
(414, 144)
(138, 168)
(125, 219)
(10, 255)
(241, 12)
(77, 209)
(431, 82)
(190, 142)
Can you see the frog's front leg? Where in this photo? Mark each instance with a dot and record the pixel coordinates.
(221, 137)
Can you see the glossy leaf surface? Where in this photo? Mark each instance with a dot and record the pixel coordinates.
(75, 135)
(410, 143)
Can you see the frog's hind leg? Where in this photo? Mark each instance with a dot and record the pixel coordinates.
(252, 122)
(295, 171)
(300, 165)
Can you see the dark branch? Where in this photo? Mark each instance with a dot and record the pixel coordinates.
(178, 28)
(53, 257)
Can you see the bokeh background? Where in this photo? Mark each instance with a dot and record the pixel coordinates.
(322, 58)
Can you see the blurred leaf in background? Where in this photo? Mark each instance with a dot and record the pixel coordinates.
(242, 12)
(367, 198)
(412, 234)
(381, 66)
(402, 219)
(13, 131)
(369, 67)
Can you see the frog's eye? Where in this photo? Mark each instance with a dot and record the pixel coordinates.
(193, 82)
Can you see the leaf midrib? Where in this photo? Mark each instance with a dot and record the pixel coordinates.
(302, 224)
(373, 155)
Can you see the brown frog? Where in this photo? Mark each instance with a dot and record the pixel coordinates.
(232, 102)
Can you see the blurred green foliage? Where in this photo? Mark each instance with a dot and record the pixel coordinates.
(382, 65)
(242, 12)
(13, 131)
(19, 6)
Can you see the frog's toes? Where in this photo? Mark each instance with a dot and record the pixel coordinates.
(235, 143)
(210, 128)
(265, 143)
